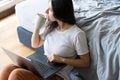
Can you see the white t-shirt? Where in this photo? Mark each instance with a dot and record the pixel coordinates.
(68, 43)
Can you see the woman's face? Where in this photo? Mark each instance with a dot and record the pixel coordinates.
(49, 12)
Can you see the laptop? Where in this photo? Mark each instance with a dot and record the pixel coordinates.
(40, 67)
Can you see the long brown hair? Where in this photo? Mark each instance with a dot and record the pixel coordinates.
(62, 10)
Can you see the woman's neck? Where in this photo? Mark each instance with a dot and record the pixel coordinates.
(63, 26)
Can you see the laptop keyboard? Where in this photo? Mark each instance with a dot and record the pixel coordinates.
(55, 64)
(46, 70)
(41, 67)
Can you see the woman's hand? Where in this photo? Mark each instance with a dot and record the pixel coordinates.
(82, 61)
(55, 58)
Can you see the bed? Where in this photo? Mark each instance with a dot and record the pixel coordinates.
(100, 19)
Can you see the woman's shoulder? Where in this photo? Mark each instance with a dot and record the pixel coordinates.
(77, 30)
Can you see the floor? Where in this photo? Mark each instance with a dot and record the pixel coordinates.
(9, 40)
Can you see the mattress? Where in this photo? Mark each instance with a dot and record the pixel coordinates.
(26, 11)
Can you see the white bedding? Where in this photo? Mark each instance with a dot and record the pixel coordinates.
(26, 11)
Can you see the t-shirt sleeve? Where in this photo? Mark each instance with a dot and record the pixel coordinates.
(80, 43)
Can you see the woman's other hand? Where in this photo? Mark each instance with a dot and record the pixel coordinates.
(56, 58)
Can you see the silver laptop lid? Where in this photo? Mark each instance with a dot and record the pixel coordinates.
(20, 61)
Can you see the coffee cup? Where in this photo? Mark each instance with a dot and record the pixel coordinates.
(39, 21)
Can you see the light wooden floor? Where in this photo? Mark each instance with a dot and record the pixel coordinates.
(9, 40)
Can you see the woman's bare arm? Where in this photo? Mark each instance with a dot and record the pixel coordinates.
(82, 61)
(36, 40)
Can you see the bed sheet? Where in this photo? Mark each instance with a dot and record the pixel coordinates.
(103, 34)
